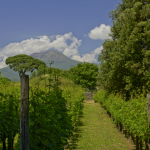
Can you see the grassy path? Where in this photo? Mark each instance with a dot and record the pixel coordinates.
(95, 131)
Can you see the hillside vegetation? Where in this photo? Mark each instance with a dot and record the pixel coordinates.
(64, 84)
(94, 111)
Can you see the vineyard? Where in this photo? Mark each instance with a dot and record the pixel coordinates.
(47, 113)
(54, 112)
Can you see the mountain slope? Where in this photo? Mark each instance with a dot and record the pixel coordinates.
(50, 54)
(60, 61)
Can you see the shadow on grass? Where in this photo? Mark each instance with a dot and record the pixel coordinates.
(77, 133)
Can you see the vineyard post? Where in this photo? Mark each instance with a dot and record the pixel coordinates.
(24, 113)
(131, 137)
(50, 74)
(148, 107)
(148, 110)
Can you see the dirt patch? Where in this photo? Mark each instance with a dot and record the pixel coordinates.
(88, 101)
(45, 75)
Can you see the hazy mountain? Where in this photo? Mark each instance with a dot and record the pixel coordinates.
(60, 61)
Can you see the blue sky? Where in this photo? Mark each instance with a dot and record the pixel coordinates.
(76, 28)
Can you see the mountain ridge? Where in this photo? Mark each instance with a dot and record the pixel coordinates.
(53, 54)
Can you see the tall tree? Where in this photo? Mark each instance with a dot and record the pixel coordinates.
(23, 63)
(130, 52)
(110, 74)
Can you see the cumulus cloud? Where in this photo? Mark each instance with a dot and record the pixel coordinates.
(44, 43)
(58, 42)
(90, 57)
(100, 33)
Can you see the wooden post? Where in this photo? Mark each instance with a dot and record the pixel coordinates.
(24, 113)
(148, 107)
(4, 135)
(10, 136)
(130, 133)
(148, 111)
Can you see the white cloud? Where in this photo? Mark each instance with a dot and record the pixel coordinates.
(100, 32)
(90, 57)
(44, 43)
(58, 42)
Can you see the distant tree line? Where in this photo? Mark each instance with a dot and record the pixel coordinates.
(83, 74)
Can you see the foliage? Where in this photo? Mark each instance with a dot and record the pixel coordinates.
(47, 70)
(125, 59)
(64, 73)
(68, 74)
(132, 114)
(4, 81)
(23, 63)
(33, 74)
(84, 74)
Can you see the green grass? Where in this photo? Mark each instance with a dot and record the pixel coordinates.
(95, 131)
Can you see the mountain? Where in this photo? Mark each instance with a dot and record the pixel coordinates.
(60, 61)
